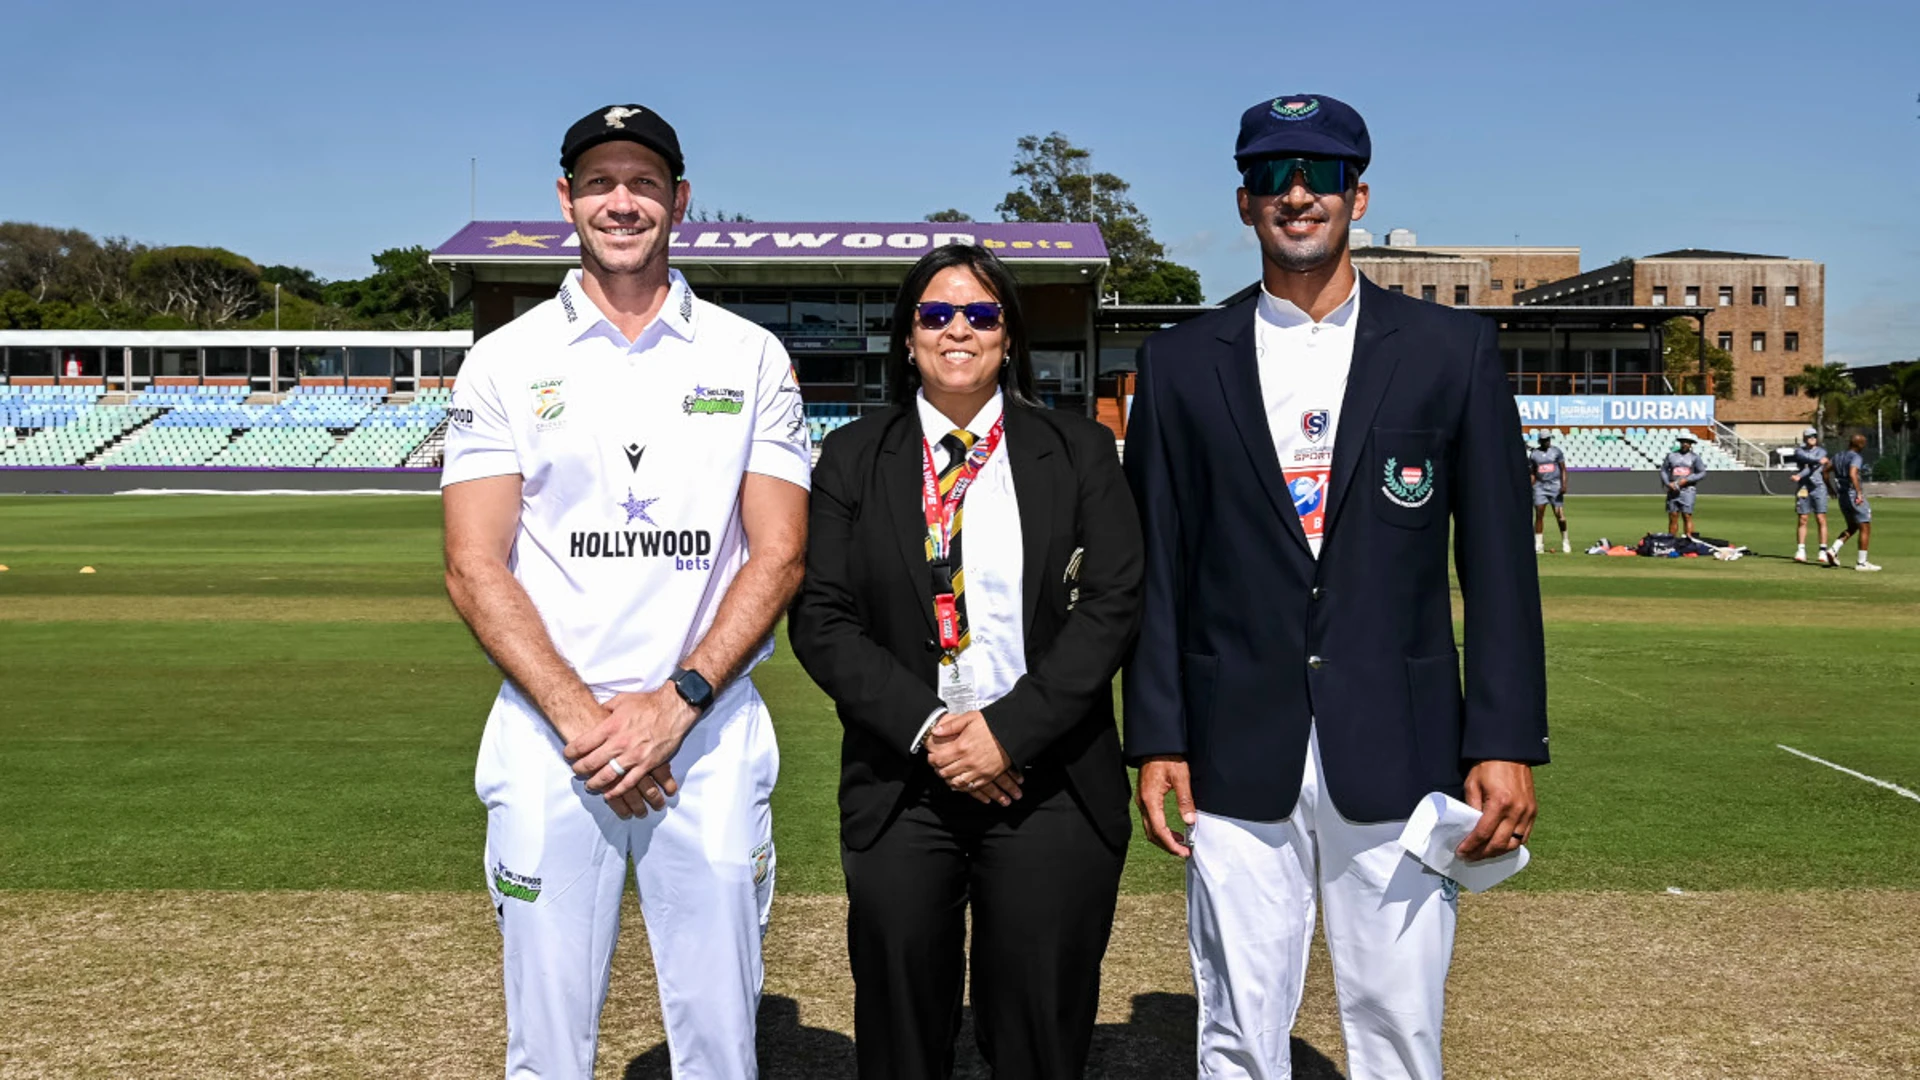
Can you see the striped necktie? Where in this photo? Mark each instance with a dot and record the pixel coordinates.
(957, 443)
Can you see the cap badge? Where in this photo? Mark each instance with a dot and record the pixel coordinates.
(616, 117)
(1295, 108)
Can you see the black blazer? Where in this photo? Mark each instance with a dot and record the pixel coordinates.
(863, 623)
(1246, 639)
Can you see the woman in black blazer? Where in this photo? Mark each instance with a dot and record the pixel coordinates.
(971, 661)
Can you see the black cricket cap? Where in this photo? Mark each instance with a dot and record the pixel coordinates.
(1302, 125)
(633, 123)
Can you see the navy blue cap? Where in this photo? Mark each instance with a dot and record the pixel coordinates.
(1299, 125)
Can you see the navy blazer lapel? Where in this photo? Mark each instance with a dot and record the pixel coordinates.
(1030, 443)
(1374, 360)
(900, 464)
(1239, 371)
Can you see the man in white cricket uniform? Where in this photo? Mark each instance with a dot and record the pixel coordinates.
(625, 489)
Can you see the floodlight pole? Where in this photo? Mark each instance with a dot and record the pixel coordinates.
(276, 305)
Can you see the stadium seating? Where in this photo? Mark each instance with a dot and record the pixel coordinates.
(66, 427)
(824, 416)
(1628, 448)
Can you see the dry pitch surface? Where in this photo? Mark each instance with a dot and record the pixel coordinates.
(185, 984)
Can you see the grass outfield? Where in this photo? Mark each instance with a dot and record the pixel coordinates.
(271, 693)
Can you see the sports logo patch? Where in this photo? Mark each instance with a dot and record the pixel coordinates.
(515, 886)
(762, 862)
(549, 399)
(1410, 486)
(1295, 108)
(712, 399)
(1314, 424)
(1308, 489)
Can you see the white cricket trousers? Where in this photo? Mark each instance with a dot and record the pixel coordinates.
(557, 863)
(1251, 892)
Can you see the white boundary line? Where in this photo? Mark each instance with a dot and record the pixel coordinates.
(1895, 788)
(1610, 686)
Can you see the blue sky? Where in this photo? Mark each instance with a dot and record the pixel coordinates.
(317, 135)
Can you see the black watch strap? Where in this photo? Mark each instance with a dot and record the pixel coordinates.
(693, 687)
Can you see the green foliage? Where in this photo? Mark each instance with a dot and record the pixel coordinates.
(716, 215)
(1058, 184)
(206, 287)
(1683, 360)
(295, 280)
(1829, 386)
(950, 215)
(405, 292)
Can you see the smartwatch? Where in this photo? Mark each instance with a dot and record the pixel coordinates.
(697, 691)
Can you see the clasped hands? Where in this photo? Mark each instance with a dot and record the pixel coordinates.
(962, 749)
(643, 731)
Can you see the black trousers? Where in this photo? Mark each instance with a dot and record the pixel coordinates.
(1042, 884)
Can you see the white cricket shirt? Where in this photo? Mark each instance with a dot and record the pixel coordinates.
(631, 456)
(1303, 378)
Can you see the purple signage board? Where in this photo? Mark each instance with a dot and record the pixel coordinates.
(541, 241)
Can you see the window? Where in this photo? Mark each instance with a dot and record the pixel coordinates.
(1789, 388)
(1519, 283)
(1759, 296)
(1397, 288)
(1459, 294)
(1693, 296)
(1791, 341)
(1725, 341)
(1758, 387)
(1792, 297)
(1726, 296)
(1496, 284)
(1759, 341)
(1429, 293)
(1659, 296)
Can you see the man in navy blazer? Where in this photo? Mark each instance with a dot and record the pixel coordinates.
(1297, 460)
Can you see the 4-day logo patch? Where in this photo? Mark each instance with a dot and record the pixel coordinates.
(762, 856)
(1295, 108)
(712, 399)
(549, 401)
(1411, 486)
(1314, 424)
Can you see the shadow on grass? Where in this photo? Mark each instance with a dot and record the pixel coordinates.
(1157, 1041)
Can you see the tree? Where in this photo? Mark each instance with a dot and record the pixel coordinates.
(297, 280)
(32, 256)
(1829, 386)
(716, 216)
(949, 215)
(1058, 184)
(1683, 360)
(202, 286)
(100, 274)
(406, 291)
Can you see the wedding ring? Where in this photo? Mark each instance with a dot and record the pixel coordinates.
(619, 770)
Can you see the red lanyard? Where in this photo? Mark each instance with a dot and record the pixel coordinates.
(939, 513)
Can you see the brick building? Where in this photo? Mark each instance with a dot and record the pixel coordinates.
(1489, 276)
(1769, 312)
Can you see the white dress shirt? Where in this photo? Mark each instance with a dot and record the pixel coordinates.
(992, 557)
(1303, 377)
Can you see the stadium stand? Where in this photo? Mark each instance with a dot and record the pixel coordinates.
(824, 416)
(1628, 448)
(66, 427)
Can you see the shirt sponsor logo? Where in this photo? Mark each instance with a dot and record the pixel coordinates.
(1308, 488)
(1314, 424)
(462, 417)
(688, 548)
(712, 399)
(1410, 486)
(515, 886)
(1682, 470)
(1548, 468)
(637, 509)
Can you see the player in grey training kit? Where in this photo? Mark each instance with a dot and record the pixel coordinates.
(1680, 472)
(1547, 470)
(1844, 473)
(1810, 493)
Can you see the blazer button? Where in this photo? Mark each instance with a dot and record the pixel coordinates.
(1317, 593)
(932, 645)
(1316, 663)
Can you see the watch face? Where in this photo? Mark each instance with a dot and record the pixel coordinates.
(695, 688)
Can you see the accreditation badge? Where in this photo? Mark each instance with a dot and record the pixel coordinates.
(956, 690)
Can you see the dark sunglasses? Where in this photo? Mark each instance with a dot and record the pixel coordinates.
(1275, 176)
(936, 314)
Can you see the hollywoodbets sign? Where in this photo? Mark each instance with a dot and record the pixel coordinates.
(688, 548)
